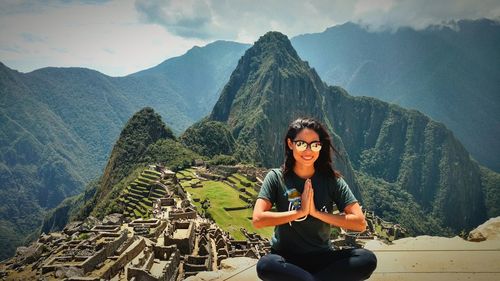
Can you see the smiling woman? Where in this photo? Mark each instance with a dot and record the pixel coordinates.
(304, 191)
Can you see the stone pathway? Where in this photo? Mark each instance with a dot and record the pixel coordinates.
(412, 259)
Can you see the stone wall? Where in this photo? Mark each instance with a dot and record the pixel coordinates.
(127, 256)
(184, 244)
(187, 213)
(170, 271)
(108, 250)
(167, 201)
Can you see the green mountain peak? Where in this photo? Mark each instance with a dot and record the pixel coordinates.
(271, 59)
(144, 128)
(272, 86)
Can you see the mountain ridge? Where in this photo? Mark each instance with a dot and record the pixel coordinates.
(442, 71)
(385, 141)
(35, 132)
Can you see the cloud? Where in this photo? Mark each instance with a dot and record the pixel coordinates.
(245, 20)
(106, 36)
(119, 37)
(190, 18)
(421, 14)
(11, 7)
(236, 20)
(32, 38)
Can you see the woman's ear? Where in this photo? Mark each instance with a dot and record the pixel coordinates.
(290, 143)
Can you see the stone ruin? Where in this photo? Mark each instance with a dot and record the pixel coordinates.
(172, 245)
(84, 256)
(181, 234)
(155, 263)
(388, 233)
(183, 213)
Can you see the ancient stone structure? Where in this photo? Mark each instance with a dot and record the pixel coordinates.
(181, 234)
(166, 240)
(184, 213)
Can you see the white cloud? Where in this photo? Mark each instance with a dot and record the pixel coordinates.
(242, 21)
(246, 20)
(121, 37)
(107, 37)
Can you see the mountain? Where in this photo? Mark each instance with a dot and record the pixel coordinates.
(256, 102)
(197, 77)
(59, 125)
(450, 73)
(386, 145)
(209, 138)
(145, 139)
(143, 129)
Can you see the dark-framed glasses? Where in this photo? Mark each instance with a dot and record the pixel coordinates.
(301, 145)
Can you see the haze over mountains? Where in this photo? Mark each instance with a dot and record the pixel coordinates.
(59, 124)
(448, 73)
(398, 162)
(409, 152)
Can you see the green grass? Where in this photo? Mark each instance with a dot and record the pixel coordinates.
(221, 195)
(150, 177)
(239, 178)
(152, 172)
(242, 178)
(252, 191)
(137, 213)
(188, 173)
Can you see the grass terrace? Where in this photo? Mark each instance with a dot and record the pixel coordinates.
(222, 195)
(138, 197)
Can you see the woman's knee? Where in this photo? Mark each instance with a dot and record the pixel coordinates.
(368, 259)
(268, 264)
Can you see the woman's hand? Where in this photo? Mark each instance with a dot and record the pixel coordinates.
(312, 207)
(306, 198)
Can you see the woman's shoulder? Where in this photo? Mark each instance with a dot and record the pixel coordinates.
(340, 181)
(274, 174)
(276, 170)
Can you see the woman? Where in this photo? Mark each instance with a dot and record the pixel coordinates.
(304, 191)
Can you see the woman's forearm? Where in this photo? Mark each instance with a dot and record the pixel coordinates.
(269, 218)
(349, 221)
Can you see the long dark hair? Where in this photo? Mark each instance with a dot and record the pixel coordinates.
(324, 163)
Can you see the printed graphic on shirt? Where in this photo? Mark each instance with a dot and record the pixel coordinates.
(324, 209)
(294, 201)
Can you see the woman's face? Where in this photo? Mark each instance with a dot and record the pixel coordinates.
(308, 156)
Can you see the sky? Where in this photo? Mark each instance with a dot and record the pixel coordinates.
(120, 37)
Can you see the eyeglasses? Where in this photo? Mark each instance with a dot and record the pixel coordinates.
(302, 145)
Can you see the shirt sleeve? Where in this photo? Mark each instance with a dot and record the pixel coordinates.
(269, 187)
(343, 195)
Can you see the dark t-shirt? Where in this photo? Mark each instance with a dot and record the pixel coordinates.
(310, 234)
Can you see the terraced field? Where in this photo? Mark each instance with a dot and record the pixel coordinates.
(222, 196)
(139, 195)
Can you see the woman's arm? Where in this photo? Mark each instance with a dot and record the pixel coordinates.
(262, 216)
(354, 219)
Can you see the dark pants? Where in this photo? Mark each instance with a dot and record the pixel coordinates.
(343, 265)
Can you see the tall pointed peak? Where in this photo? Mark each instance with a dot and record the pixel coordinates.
(144, 128)
(273, 49)
(275, 42)
(263, 74)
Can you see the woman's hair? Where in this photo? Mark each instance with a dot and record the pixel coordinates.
(324, 163)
